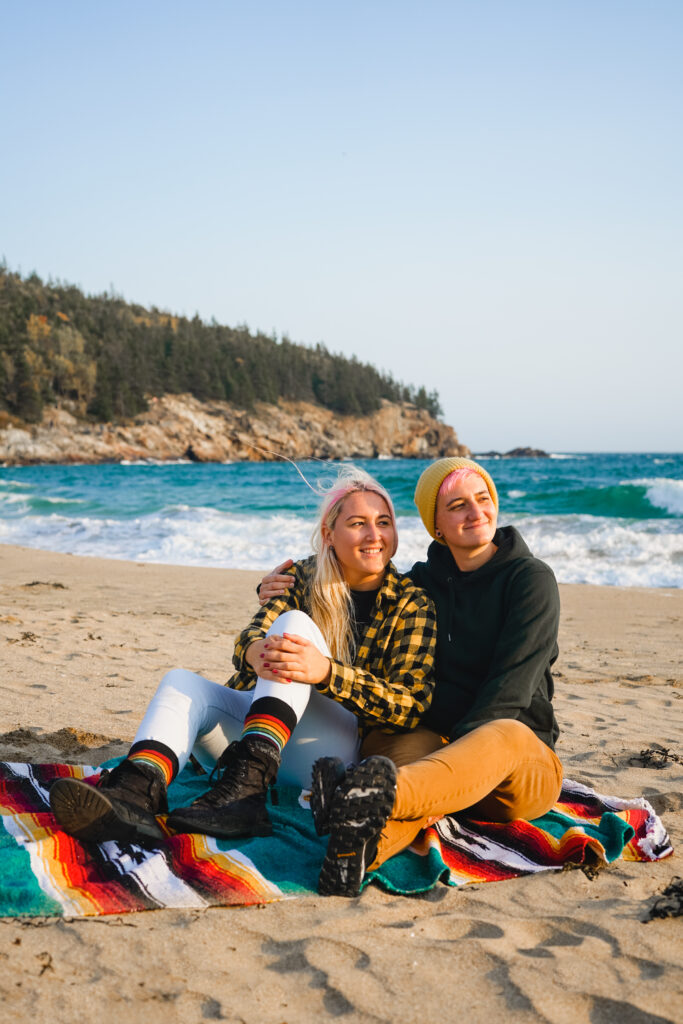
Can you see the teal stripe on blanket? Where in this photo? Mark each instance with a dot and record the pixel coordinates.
(612, 831)
(20, 894)
(291, 857)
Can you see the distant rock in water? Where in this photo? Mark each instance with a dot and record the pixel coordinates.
(515, 453)
(181, 427)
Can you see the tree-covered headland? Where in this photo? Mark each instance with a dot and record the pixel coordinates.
(102, 357)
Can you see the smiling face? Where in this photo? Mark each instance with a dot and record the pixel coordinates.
(466, 519)
(363, 538)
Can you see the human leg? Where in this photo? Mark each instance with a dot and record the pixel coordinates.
(401, 747)
(124, 804)
(236, 803)
(498, 772)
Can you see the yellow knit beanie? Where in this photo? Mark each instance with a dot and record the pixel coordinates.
(430, 481)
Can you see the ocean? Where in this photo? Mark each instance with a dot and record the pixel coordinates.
(609, 519)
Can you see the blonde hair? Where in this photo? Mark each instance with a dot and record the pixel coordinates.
(329, 593)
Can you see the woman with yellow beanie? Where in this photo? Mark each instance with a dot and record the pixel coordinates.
(486, 744)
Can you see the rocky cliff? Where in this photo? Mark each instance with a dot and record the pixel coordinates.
(181, 427)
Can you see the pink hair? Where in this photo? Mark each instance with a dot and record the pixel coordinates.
(352, 480)
(457, 476)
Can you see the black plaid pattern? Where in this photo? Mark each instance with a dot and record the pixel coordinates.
(391, 679)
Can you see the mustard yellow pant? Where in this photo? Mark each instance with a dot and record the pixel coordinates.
(498, 772)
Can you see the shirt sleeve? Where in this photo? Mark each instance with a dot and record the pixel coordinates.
(525, 649)
(400, 691)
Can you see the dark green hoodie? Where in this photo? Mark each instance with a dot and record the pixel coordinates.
(496, 639)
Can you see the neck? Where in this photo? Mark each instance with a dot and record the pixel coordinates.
(362, 582)
(469, 559)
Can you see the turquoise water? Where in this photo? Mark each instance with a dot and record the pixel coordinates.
(598, 518)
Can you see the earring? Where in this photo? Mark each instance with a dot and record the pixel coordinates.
(437, 532)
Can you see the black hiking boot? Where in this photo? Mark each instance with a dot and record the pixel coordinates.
(328, 773)
(360, 808)
(122, 805)
(236, 803)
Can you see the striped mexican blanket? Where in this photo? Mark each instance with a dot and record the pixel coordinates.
(43, 871)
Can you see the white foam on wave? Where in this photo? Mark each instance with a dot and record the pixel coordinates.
(580, 548)
(516, 494)
(14, 499)
(565, 455)
(62, 501)
(616, 552)
(661, 492)
(155, 462)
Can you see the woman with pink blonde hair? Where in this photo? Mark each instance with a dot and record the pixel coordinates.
(485, 746)
(348, 646)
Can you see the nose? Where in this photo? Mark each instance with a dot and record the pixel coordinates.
(373, 532)
(473, 510)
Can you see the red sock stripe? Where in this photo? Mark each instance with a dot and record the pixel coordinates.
(156, 760)
(267, 725)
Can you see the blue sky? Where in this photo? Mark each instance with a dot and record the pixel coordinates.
(481, 197)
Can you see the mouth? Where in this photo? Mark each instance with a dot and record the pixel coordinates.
(369, 552)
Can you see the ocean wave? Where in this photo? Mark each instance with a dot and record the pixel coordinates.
(157, 462)
(590, 549)
(580, 549)
(14, 499)
(662, 492)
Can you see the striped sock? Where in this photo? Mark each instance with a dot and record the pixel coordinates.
(272, 719)
(155, 755)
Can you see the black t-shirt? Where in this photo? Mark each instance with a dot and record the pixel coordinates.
(363, 602)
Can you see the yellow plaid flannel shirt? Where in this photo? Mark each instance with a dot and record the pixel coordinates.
(391, 680)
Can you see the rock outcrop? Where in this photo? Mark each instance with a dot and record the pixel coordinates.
(181, 427)
(515, 453)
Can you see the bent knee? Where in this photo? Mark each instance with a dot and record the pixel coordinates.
(514, 734)
(293, 621)
(183, 681)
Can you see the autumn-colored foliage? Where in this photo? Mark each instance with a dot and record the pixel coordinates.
(102, 357)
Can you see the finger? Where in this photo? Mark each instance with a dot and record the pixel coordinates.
(272, 677)
(300, 641)
(287, 564)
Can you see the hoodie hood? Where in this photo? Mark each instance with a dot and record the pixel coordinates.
(509, 542)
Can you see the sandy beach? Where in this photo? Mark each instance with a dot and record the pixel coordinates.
(84, 643)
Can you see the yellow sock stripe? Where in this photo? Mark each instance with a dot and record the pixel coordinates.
(268, 726)
(155, 760)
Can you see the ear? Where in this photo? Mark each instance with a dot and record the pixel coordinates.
(327, 536)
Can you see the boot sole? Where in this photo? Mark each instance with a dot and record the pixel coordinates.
(360, 810)
(328, 774)
(230, 830)
(85, 812)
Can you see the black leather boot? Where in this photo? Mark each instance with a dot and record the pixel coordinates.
(236, 803)
(122, 805)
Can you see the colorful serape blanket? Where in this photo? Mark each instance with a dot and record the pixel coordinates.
(43, 871)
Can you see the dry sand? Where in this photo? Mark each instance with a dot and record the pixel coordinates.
(84, 643)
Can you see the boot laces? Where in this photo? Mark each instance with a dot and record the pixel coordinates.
(233, 771)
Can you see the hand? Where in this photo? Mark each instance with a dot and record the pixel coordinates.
(276, 583)
(288, 659)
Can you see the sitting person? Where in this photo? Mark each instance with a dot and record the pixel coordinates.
(486, 744)
(351, 643)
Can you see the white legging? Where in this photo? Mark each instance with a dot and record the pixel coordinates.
(190, 714)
